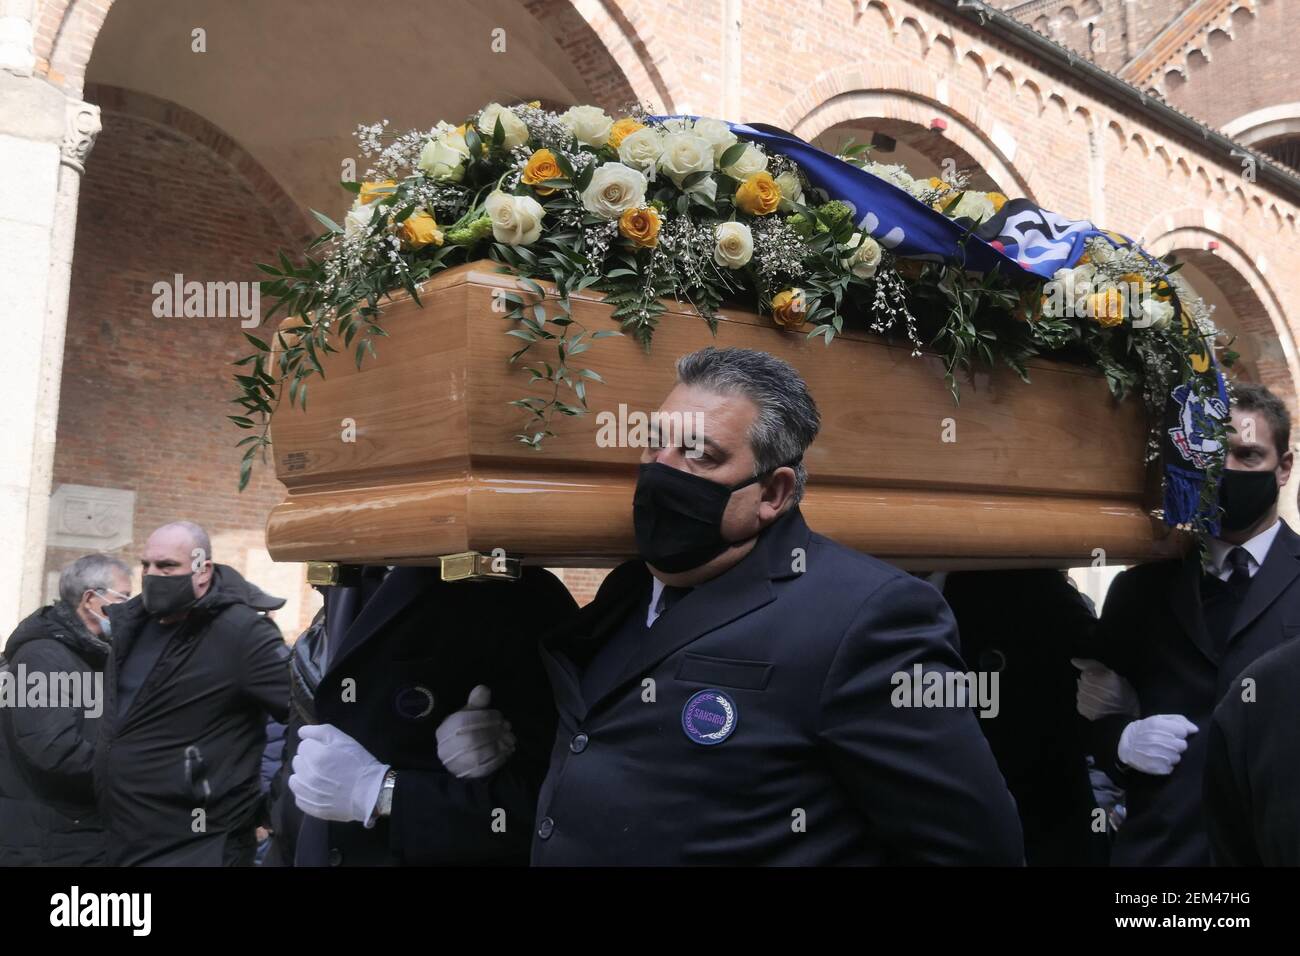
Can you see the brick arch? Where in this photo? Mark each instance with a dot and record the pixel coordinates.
(830, 100)
(1235, 267)
(627, 72)
(626, 69)
(298, 226)
(64, 35)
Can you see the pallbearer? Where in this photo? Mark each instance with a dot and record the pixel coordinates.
(727, 698)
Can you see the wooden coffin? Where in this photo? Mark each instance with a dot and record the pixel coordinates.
(1039, 474)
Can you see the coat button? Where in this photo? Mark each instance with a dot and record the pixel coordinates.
(579, 743)
(546, 828)
(336, 856)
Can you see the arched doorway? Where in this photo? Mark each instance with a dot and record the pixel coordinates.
(218, 138)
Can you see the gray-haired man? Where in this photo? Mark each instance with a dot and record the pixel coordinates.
(47, 739)
(726, 699)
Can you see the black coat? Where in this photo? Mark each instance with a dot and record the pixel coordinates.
(47, 801)
(1252, 773)
(413, 654)
(212, 687)
(1153, 633)
(820, 768)
(1026, 625)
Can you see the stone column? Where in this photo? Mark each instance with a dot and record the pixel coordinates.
(44, 140)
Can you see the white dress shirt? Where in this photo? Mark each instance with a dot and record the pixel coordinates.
(1257, 549)
(656, 601)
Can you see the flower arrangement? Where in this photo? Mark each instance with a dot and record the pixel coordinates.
(645, 208)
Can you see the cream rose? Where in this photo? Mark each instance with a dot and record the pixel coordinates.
(516, 220)
(443, 158)
(717, 134)
(589, 124)
(359, 216)
(614, 188)
(791, 190)
(973, 205)
(641, 150)
(864, 256)
(1156, 314)
(684, 154)
(752, 160)
(516, 133)
(735, 245)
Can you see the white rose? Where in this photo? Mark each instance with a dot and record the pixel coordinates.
(752, 160)
(516, 220)
(1156, 313)
(589, 124)
(359, 216)
(1066, 291)
(973, 205)
(516, 133)
(865, 258)
(641, 150)
(735, 245)
(614, 188)
(791, 190)
(717, 134)
(444, 158)
(684, 154)
(897, 175)
(678, 124)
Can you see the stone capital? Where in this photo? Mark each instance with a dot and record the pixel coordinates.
(82, 127)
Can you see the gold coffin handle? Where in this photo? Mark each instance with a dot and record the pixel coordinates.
(476, 566)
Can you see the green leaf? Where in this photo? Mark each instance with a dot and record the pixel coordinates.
(328, 223)
(732, 155)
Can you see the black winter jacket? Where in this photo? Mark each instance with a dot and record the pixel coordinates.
(47, 805)
(177, 774)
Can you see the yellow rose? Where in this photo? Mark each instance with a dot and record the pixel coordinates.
(641, 226)
(419, 229)
(789, 309)
(1084, 260)
(939, 184)
(370, 191)
(1106, 308)
(535, 104)
(1134, 280)
(998, 201)
(622, 129)
(759, 195)
(541, 167)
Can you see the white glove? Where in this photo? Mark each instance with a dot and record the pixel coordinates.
(474, 741)
(1101, 692)
(1155, 744)
(334, 777)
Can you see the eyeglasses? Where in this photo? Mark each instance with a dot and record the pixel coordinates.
(116, 594)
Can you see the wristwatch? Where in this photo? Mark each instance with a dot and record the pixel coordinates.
(385, 805)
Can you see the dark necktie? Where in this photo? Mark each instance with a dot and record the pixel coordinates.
(1221, 599)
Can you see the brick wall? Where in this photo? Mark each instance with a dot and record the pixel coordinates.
(143, 398)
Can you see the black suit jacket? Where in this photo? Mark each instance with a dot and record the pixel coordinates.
(1026, 625)
(821, 767)
(1252, 774)
(1153, 633)
(410, 659)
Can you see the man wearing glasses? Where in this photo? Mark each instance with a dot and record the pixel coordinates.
(51, 699)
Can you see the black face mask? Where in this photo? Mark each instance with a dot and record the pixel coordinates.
(167, 594)
(1245, 496)
(678, 516)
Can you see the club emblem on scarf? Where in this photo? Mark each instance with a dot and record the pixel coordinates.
(1190, 435)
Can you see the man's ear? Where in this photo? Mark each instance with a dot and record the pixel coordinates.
(779, 489)
(1284, 467)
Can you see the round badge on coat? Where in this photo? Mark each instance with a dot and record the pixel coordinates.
(709, 717)
(414, 703)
